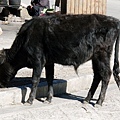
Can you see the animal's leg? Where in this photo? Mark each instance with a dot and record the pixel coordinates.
(105, 81)
(95, 83)
(102, 71)
(103, 91)
(35, 81)
(105, 73)
(49, 77)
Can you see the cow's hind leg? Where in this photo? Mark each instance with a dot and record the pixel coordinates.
(105, 73)
(101, 67)
(104, 85)
(95, 83)
(49, 77)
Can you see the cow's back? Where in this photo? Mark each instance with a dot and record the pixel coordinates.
(72, 39)
(68, 39)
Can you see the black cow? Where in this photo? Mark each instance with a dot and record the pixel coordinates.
(66, 40)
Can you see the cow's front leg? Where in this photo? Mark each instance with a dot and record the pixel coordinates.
(49, 77)
(35, 81)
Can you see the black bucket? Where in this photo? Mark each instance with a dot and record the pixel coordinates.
(14, 2)
(3, 2)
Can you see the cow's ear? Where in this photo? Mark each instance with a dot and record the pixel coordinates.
(2, 56)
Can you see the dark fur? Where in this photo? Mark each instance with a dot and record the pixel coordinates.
(66, 40)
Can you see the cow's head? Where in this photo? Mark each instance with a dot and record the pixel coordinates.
(6, 74)
(2, 56)
(6, 70)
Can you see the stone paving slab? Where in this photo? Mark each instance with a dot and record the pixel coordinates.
(67, 107)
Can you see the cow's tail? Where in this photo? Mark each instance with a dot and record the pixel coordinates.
(116, 69)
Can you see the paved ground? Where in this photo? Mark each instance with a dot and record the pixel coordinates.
(66, 106)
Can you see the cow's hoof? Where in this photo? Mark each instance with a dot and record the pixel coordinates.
(85, 102)
(47, 101)
(97, 106)
(27, 104)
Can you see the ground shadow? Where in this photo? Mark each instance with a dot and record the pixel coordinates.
(24, 82)
(75, 97)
